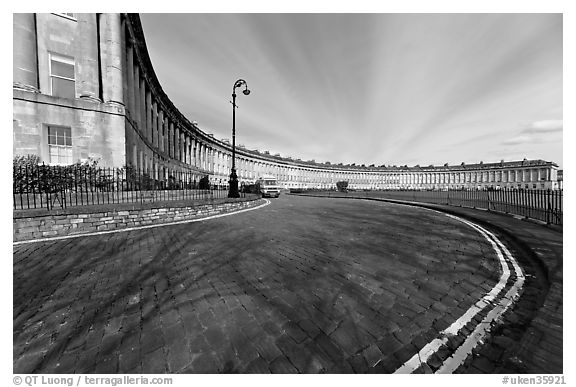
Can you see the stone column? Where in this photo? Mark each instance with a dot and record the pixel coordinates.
(130, 76)
(143, 107)
(161, 129)
(137, 116)
(111, 58)
(25, 55)
(148, 116)
(183, 146)
(211, 159)
(176, 143)
(170, 138)
(188, 153)
(87, 80)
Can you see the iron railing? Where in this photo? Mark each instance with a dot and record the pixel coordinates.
(49, 187)
(543, 205)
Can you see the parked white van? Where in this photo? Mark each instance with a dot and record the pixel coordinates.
(267, 186)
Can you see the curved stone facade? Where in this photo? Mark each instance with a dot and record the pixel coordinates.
(121, 115)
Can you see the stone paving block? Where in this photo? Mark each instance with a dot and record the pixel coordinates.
(198, 344)
(257, 366)
(352, 337)
(389, 344)
(154, 362)
(107, 365)
(113, 325)
(252, 331)
(170, 317)
(321, 360)
(484, 365)
(204, 363)
(358, 364)
(178, 356)
(28, 362)
(372, 355)
(215, 338)
(151, 341)
(86, 360)
(282, 365)
(404, 336)
(128, 360)
(434, 362)
(130, 340)
(329, 347)
(314, 364)
(405, 353)
(267, 348)
(294, 331)
(110, 343)
(241, 317)
(191, 324)
(39, 343)
(271, 328)
(295, 353)
(309, 327)
(244, 348)
(454, 342)
(130, 320)
(341, 367)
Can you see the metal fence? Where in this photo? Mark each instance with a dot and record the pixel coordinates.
(49, 187)
(544, 205)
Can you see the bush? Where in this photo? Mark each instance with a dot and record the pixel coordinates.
(342, 186)
(31, 176)
(204, 183)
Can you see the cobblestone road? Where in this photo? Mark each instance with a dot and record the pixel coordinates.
(302, 285)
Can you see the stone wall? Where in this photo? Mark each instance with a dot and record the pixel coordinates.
(41, 224)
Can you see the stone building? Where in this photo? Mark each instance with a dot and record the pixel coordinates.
(84, 88)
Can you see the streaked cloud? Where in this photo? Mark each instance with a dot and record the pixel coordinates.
(545, 131)
(370, 88)
(545, 126)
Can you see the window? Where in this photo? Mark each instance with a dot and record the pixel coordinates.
(60, 145)
(62, 79)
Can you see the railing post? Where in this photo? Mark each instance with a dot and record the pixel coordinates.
(549, 207)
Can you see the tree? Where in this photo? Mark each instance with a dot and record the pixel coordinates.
(204, 183)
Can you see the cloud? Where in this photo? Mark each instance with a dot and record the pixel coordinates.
(518, 140)
(545, 126)
(536, 132)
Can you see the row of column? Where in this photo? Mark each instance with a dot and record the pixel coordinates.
(250, 169)
(502, 176)
(162, 132)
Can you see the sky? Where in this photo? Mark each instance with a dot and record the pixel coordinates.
(393, 89)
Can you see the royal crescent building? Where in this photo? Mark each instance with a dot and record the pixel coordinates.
(84, 88)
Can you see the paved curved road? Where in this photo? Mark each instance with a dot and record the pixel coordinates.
(301, 285)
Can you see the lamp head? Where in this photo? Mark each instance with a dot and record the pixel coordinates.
(246, 91)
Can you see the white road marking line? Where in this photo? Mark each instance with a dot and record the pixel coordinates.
(483, 328)
(429, 349)
(140, 227)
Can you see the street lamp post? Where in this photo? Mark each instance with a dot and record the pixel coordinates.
(233, 192)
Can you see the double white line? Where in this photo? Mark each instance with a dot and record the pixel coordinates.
(482, 329)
